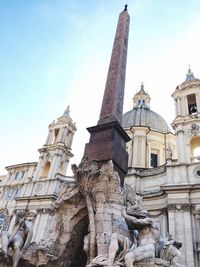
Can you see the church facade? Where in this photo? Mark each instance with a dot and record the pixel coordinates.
(163, 168)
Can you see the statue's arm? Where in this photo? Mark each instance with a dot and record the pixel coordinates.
(29, 226)
(134, 222)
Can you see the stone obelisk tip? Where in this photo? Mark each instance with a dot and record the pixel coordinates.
(126, 7)
(112, 105)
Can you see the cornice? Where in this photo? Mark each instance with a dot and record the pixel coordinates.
(181, 187)
(34, 164)
(154, 194)
(179, 207)
(39, 197)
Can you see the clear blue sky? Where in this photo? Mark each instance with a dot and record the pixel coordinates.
(56, 53)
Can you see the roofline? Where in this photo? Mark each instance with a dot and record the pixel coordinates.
(20, 165)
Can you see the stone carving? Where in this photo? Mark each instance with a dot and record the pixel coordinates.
(13, 246)
(143, 247)
(168, 249)
(38, 187)
(148, 236)
(84, 174)
(194, 130)
(132, 201)
(66, 193)
(169, 152)
(179, 207)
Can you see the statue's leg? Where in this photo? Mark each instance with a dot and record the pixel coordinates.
(16, 257)
(129, 258)
(17, 245)
(113, 248)
(138, 254)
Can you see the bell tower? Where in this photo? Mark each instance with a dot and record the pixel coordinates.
(56, 152)
(186, 123)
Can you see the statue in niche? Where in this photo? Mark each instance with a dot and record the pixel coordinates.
(169, 152)
(15, 244)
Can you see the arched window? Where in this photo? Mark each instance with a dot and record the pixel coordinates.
(195, 148)
(46, 170)
(192, 105)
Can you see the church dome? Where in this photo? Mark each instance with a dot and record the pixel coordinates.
(141, 115)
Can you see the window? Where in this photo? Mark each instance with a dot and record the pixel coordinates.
(16, 192)
(22, 174)
(17, 176)
(154, 160)
(9, 193)
(192, 105)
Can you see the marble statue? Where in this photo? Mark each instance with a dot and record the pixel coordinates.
(16, 243)
(169, 152)
(169, 251)
(148, 236)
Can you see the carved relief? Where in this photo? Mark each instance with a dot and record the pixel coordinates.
(194, 130)
(38, 187)
(179, 207)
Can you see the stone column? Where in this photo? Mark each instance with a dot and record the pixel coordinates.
(198, 102)
(49, 137)
(181, 145)
(64, 133)
(39, 168)
(185, 106)
(181, 228)
(55, 165)
(178, 106)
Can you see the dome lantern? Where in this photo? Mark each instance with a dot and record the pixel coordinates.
(141, 98)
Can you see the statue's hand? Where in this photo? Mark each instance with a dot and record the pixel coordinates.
(124, 213)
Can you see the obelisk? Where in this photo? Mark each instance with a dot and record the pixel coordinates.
(108, 139)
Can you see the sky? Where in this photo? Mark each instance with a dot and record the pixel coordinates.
(56, 53)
